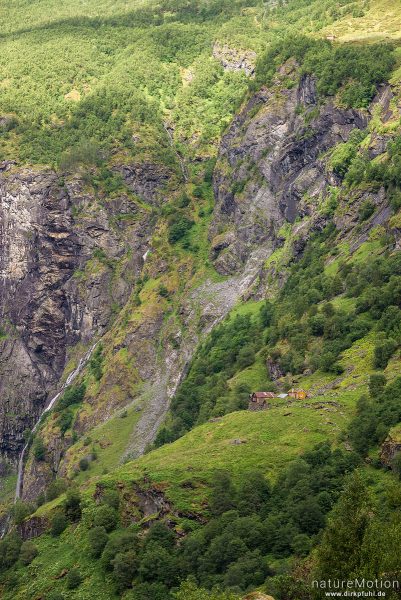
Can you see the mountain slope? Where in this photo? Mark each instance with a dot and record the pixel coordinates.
(209, 191)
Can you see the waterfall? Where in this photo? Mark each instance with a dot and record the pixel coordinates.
(68, 381)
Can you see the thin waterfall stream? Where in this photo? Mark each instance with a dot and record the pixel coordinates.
(71, 377)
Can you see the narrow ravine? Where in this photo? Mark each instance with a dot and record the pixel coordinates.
(71, 377)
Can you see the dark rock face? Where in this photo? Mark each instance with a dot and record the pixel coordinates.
(389, 450)
(145, 180)
(270, 161)
(54, 292)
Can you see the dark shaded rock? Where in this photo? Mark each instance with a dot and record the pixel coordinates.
(391, 447)
(33, 527)
(50, 230)
(145, 179)
(274, 369)
(269, 161)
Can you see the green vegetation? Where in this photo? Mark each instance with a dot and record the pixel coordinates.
(96, 362)
(353, 71)
(206, 392)
(229, 500)
(375, 417)
(305, 327)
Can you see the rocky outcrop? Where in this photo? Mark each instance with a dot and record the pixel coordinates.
(33, 527)
(391, 447)
(234, 59)
(270, 161)
(59, 252)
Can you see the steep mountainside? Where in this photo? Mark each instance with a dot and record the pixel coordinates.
(203, 199)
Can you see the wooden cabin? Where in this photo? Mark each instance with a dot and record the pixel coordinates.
(260, 400)
(297, 394)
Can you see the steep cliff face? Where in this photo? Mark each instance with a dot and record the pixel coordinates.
(58, 247)
(272, 167)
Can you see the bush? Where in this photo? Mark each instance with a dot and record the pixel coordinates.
(144, 591)
(84, 464)
(72, 505)
(377, 383)
(96, 363)
(163, 291)
(55, 596)
(382, 353)
(28, 552)
(366, 210)
(74, 394)
(39, 449)
(161, 534)
(119, 543)
(59, 524)
(222, 497)
(105, 516)
(20, 511)
(179, 228)
(111, 498)
(98, 539)
(65, 420)
(9, 550)
(246, 357)
(55, 489)
(73, 579)
(125, 567)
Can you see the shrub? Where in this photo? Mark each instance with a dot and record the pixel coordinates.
(28, 552)
(98, 539)
(144, 591)
(161, 534)
(65, 420)
(74, 394)
(179, 227)
(366, 210)
(382, 353)
(39, 449)
(163, 291)
(377, 383)
(158, 565)
(96, 363)
(84, 464)
(111, 498)
(55, 596)
(59, 524)
(246, 357)
(119, 543)
(125, 567)
(72, 505)
(73, 579)
(105, 516)
(20, 511)
(9, 550)
(222, 497)
(56, 487)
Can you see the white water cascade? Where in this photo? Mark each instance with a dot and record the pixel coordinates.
(68, 381)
